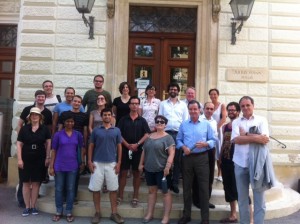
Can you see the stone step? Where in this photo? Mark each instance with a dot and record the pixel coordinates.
(280, 202)
(288, 203)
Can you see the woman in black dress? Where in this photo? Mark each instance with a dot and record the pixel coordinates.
(121, 104)
(33, 150)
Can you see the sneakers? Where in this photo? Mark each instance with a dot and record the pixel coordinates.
(96, 219)
(116, 218)
(26, 212)
(34, 211)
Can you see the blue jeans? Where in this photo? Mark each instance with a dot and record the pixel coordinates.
(242, 184)
(63, 178)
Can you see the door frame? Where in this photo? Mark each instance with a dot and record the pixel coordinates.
(206, 50)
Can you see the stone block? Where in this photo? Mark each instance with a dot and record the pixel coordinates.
(284, 49)
(36, 53)
(102, 41)
(290, 132)
(233, 88)
(284, 104)
(85, 82)
(284, 9)
(35, 67)
(71, 3)
(256, 61)
(257, 48)
(40, 2)
(285, 62)
(233, 60)
(222, 47)
(284, 76)
(283, 35)
(72, 41)
(284, 90)
(39, 40)
(258, 34)
(66, 27)
(64, 80)
(68, 13)
(257, 89)
(33, 81)
(257, 21)
(90, 54)
(285, 22)
(101, 68)
(75, 68)
(221, 74)
(38, 27)
(7, 7)
(284, 118)
(32, 12)
(65, 54)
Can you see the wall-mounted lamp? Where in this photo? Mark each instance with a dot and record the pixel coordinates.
(85, 6)
(241, 10)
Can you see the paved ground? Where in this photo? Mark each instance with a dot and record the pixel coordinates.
(11, 214)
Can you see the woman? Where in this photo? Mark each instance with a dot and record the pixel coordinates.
(33, 151)
(121, 104)
(149, 106)
(156, 160)
(64, 166)
(95, 119)
(219, 115)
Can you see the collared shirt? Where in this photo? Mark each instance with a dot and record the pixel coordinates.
(241, 152)
(190, 133)
(212, 122)
(175, 113)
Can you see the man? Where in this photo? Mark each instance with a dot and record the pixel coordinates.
(80, 124)
(90, 97)
(63, 106)
(251, 157)
(195, 138)
(227, 165)
(176, 112)
(190, 94)
(104, 160)
(51, 99)
(40, 97)
(207, 115)
(134, 130)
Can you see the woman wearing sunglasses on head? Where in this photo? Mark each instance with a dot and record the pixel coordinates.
(156, 160)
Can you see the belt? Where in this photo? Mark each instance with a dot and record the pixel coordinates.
(197, 154)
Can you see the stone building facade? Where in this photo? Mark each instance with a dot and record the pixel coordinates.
(265, 62)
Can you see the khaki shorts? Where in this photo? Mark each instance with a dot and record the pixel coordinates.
(104, 171)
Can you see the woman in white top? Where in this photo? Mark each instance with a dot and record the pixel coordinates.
(149, 106)
(219, 115)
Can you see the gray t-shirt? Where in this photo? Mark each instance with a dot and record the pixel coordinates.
(156, 153)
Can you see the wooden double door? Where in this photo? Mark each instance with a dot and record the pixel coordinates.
(161, 58)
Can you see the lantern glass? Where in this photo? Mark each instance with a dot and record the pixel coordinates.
(241, 9)
(84, 6)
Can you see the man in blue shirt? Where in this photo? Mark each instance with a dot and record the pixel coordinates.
(104, 160)
(195, 137)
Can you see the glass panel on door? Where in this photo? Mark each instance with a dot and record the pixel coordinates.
(142, 78)
(179, 52)
(145, 51)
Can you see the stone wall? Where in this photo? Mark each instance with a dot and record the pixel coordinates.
(53, 44)
(269, 39)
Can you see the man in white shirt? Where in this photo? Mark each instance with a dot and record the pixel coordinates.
(207, 115)
(176, 112)
(242, 139)
(51, 99)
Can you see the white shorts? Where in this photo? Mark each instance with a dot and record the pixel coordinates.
(104, 171)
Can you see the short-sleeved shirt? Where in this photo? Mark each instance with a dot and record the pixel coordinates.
(122, 108)
(64, 106)
(133, 130)
(51, 102)
(156, 152)
(227, 146)
(66, 150)
(80, 120)
(105, 141)
(90, 99)
(150, 110)
(97, 119)
(46, 113)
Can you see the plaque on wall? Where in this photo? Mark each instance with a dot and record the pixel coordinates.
(247, 74)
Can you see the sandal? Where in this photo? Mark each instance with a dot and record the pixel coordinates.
(119, 201)
(56, 217)
(134, 203)
(70, 218)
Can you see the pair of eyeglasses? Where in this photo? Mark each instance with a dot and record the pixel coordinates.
(101, 98)
(160, 122)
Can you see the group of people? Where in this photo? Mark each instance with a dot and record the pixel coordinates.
(165, 140)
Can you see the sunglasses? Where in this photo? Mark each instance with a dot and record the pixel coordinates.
(101, 98)
(160, 122)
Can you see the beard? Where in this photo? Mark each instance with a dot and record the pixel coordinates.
(173, 94)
